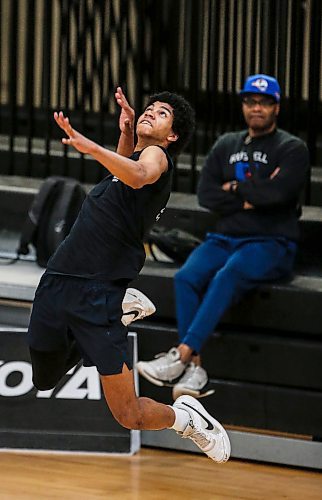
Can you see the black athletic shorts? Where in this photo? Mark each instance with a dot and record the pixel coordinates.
(67, 308)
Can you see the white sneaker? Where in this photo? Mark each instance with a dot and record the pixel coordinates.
(204, 430)
(164, 370)
(193, 382)
(136, 306)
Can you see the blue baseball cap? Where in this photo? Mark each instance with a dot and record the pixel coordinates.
(262, 84)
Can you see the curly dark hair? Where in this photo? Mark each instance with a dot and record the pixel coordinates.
(183, 119)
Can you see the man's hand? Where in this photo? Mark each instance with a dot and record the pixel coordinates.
(274, 174)
(75, 139)
(226, 186)
(127, 116)
(248, 206)
(229, 186)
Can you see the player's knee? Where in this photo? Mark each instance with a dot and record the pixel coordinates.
(129, 418)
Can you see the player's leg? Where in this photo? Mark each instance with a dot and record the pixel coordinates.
(129, 410)
(48, 367)
(94, 314)
(187, 416)
(52, 350)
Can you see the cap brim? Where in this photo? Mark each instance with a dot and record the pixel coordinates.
(248, 92)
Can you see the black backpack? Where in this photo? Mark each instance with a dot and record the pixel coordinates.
(51, 216)
(174, 243)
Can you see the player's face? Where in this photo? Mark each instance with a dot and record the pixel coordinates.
(156, 122)
(260, 113)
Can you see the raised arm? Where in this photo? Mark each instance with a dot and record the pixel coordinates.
(152, 163)
(125, 145)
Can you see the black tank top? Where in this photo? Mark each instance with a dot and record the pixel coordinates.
(106, 241)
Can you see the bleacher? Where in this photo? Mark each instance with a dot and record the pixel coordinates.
(264, 360)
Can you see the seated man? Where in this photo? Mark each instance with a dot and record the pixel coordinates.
(253, 180)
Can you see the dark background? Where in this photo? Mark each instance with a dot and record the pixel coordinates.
(71, 55)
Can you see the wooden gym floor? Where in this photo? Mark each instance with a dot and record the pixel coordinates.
(150, 475)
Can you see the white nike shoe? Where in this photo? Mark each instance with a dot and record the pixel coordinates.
(193, 382)
(136, 306)
(164, 370)
(204, 430)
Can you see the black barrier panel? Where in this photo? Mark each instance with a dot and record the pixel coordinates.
(71, 417)
(263, 380)
(72, 55)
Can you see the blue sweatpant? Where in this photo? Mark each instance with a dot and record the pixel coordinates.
(218, 273)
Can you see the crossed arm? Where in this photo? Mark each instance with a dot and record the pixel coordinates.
(216, 195)
(232, 186)
(282, 187)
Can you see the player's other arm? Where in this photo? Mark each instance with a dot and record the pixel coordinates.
(125, 145)
(136, 174)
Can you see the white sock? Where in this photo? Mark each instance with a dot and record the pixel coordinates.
(182, 419)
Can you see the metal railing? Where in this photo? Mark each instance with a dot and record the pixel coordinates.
(71, 54)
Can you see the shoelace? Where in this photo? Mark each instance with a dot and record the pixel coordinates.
(166, 355)
(198, 436)
(160, 355)
(160, 361)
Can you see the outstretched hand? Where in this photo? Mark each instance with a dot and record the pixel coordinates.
(75, 139)
(127, 116)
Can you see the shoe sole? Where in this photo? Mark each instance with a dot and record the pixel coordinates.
(155, 381)
(149, 377)
(227, 448)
